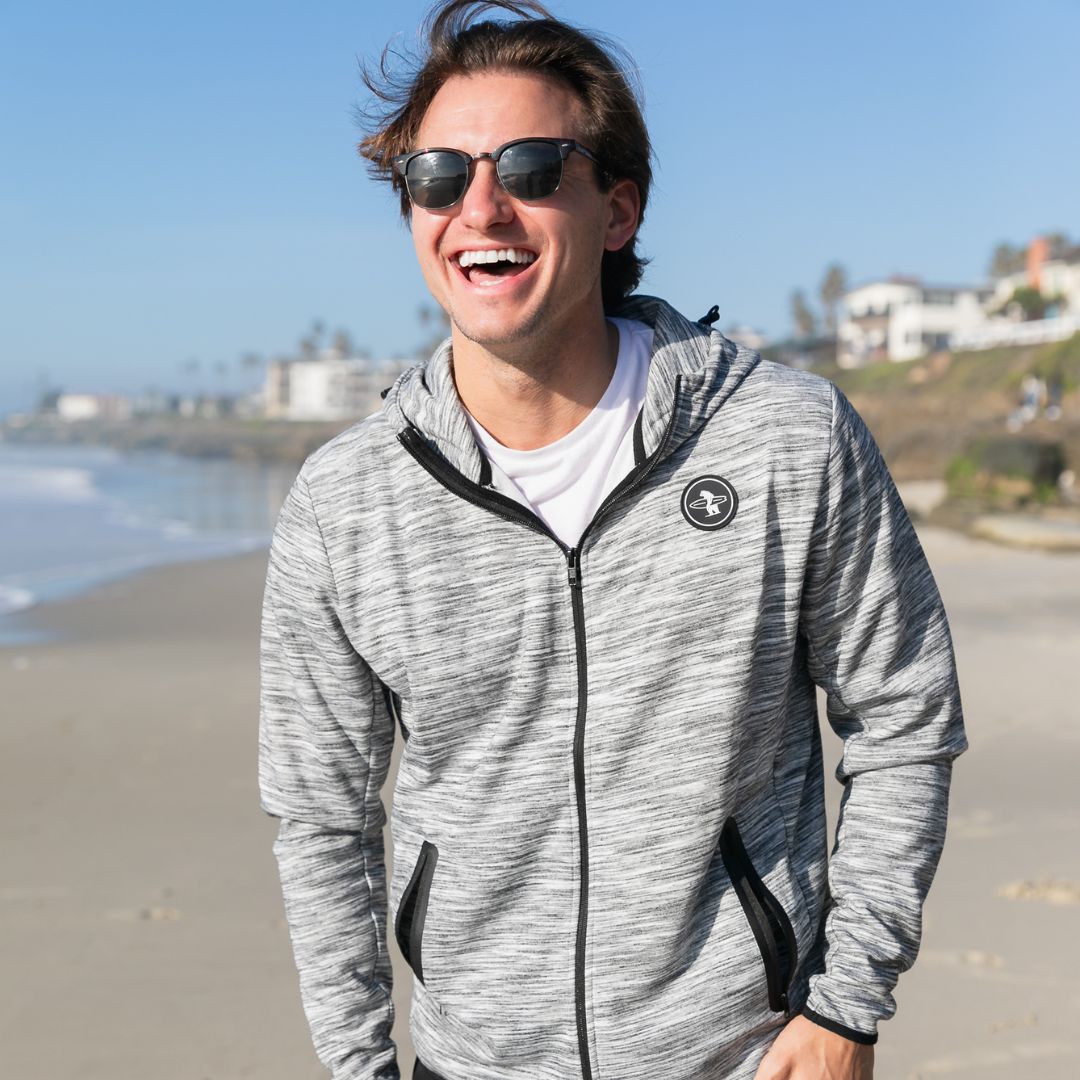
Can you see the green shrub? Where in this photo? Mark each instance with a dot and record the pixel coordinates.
(1007, 470)
(960, 476)
(1036, 460)
(1060, 361)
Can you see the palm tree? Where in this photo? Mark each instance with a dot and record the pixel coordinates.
(1058, 243)
(343, 345)
(249, 362)
(311, 343)
(436, 324)
(833, 287)
(190, 367)
(1007, 260)
(802, 316)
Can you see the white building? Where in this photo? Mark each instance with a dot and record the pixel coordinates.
(1056, 279)
(1011, 332)
(329, 388)
(1004, 287)
(750, 336)
(73, 407)
(1053, 273)
(1061, 277)
(903, 319)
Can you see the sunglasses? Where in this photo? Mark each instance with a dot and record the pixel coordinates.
(528, 169)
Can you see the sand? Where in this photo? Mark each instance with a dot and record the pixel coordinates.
(141, 929)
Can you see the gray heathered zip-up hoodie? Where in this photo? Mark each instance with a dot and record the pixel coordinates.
(609, 833)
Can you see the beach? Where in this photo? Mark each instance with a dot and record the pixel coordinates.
(141, 925)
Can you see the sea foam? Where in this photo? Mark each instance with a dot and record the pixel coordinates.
(47, 483)
(14, 599)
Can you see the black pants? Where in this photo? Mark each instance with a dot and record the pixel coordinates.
(422, 1072)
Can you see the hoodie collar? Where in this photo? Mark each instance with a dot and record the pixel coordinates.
(692, 373)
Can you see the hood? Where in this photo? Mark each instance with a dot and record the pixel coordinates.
(693, 372)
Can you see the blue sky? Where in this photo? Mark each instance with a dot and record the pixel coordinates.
(180, 182)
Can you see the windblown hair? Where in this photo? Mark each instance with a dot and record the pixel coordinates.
(597, 71)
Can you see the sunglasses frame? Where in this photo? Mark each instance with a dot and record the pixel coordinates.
(565, 147)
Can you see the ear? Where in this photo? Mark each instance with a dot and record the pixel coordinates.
(624, 214)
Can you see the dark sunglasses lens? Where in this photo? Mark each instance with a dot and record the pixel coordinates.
(531, 170)
(436, 180)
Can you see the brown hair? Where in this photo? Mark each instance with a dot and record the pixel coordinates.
(535, 41)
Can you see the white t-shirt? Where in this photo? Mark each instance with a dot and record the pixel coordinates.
(565, 482)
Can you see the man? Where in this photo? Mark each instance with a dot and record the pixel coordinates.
(593, 558)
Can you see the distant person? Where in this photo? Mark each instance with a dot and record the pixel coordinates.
(1055, 393)
(593, 558)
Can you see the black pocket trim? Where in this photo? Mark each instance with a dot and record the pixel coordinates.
(422, 1072)
(412, 911)
(392, 701)
(768, 920)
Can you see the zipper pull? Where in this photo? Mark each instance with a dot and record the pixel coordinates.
(573, 568)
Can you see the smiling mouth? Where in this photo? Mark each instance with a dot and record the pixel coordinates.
(490, 267)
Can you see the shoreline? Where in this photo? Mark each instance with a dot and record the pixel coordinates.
(50, 620)
(250, 441)
(83, 517)
(102, 610)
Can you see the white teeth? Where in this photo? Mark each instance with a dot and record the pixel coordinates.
(513, 255)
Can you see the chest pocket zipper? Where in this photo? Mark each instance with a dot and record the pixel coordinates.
(771, 926)
(412, 911)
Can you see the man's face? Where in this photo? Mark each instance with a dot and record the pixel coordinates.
(567, 232)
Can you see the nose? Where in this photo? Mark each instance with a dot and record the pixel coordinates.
(485, 202)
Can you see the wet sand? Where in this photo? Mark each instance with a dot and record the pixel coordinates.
(141, 931)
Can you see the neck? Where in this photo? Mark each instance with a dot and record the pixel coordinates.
(528, 395)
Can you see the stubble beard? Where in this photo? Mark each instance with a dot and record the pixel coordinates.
(525, 346)
(510, 346)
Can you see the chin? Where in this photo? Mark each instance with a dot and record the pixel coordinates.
(492, 329)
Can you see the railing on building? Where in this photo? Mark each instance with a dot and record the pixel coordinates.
(1037, 332)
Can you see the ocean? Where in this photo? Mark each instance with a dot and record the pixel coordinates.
(72, 517)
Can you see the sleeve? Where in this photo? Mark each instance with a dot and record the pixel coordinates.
(879, 646)
(324, 749)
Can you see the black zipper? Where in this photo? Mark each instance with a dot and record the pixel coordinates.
(641, 473)
(484, 497)
(505, 507)
(573, 561)
(768, 920)
(412, 910)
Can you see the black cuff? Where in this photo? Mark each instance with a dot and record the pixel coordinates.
(838, 1029)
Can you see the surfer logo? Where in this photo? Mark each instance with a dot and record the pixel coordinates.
(709, 502)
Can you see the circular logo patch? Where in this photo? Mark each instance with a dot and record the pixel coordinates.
(709, 502)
